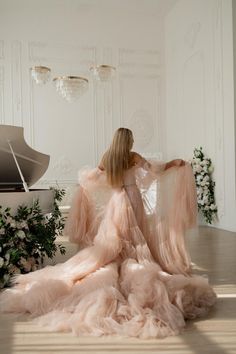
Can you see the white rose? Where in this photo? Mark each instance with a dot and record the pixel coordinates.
(212, 206)
(206, 207)
(200, 201)
(197, 153)
(1, 262)
(199, 190)
(24, 224)
(205, 199)
(203, 183)
(198, 168)
(2, 231)
(197, 161)
(13, 224)
(20, 234)
(9, 219)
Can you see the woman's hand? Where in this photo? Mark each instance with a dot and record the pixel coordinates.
(180, 162)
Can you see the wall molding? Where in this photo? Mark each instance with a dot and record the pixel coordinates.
(69, 185)
(2, 103)
(40, 52)
(192, 34)
(16, 73)
(219, 109)
(197, 56)
(146, 133)
(2, 49)
(139, 58)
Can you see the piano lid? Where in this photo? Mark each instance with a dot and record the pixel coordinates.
(33, 164)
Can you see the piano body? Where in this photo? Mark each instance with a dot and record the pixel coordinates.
(20, 168)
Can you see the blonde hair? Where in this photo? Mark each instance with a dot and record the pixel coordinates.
(117, 159)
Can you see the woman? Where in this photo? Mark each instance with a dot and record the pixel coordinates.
(132, 275)
(119, 163)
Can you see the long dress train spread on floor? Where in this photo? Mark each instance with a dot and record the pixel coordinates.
(132, 275)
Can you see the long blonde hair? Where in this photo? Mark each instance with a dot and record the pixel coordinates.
(117, 159)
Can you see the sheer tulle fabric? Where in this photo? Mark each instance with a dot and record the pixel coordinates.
(132, 275)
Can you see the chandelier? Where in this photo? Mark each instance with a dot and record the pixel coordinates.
(40, 74)
(72, 87)
(103, 72)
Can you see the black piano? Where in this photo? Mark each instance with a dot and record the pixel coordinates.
(20, 168)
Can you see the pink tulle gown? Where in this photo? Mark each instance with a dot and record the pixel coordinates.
(132, 275)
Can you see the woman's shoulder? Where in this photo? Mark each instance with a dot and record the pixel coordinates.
(101, 165)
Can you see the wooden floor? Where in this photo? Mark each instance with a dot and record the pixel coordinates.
(213, 253)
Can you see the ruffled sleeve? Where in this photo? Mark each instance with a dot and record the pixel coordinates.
(171, 207)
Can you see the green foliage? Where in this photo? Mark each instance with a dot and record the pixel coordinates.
(27, 237)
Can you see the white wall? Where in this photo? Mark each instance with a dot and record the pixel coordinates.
(199, 92)
(70, 36)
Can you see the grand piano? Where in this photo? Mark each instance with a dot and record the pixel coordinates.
(20, 168)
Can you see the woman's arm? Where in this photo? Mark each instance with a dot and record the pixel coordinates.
(139, 160)
(175, 163)
(142, 162)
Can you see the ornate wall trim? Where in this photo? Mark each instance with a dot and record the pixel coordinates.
(2, 103)
(219, 109)
(16, 75)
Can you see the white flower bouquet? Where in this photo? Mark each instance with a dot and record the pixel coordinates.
(202, 170)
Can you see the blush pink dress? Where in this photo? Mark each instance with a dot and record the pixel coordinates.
(132, 275)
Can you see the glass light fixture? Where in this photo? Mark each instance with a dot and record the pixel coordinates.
(103, 72)
(40, 74)
(71, 87)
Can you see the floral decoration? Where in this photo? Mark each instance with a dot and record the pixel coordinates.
(27, 237)
(202, 169)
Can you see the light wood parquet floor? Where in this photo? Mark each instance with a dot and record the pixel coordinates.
(213, 253)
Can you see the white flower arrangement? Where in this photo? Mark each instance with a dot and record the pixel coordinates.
(202, 170)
